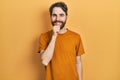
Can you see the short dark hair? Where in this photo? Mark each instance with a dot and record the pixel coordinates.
(62, 5)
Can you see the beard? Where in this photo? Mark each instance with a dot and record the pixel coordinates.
(62, 24)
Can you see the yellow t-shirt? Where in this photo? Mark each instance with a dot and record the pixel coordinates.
(63, 63)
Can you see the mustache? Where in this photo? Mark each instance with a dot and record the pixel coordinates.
(57, 21)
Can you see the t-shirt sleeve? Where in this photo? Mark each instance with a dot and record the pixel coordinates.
(42, 42)
(80, 49)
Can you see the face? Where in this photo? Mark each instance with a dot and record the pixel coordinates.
(58, 17)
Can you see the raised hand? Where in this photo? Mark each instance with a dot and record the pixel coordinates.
(56, 29)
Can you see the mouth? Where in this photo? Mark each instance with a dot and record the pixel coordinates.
(58, 23)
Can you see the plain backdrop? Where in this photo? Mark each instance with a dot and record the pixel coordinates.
(22, 22)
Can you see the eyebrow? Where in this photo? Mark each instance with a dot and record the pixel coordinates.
(61, 14)
(53, 14)
(56, 14)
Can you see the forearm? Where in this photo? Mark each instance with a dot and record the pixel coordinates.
(47, 55)
(79, 68)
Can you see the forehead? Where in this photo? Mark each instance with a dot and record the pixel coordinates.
(57, 10)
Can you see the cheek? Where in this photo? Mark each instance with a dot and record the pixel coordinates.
(64, 19)
(53, 18)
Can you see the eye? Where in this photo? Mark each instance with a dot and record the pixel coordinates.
(53, 15)
(61, 15)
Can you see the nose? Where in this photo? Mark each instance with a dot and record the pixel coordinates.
(57, 18)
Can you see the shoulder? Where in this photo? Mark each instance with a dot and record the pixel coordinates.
(46, 34)
(74, 34)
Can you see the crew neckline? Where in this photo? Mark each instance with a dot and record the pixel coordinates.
(64, 33)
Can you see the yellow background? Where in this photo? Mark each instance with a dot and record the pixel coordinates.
(22, 21)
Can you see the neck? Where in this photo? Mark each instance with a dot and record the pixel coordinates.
(63, 30)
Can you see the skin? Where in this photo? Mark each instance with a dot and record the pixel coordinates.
(58, 19)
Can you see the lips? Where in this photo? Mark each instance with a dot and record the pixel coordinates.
(58, 23)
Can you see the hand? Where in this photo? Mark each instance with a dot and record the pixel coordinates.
(56, 29)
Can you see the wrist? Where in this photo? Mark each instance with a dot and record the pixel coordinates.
(54, 35)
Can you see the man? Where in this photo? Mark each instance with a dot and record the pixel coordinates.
(61, 48)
